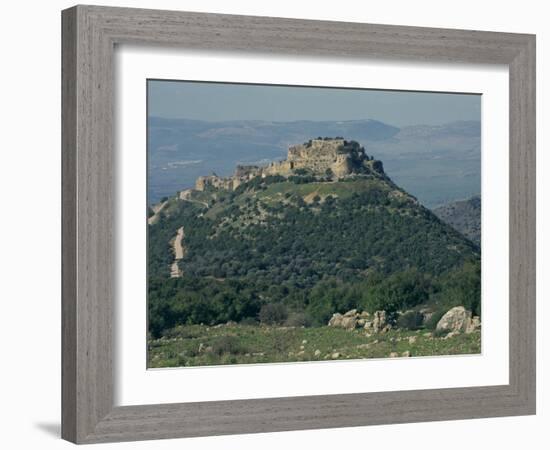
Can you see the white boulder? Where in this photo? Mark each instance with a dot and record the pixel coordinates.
(456, 319)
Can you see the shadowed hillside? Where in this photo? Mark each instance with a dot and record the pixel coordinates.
(464, 216)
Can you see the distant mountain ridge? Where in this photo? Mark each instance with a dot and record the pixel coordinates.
(373, 129)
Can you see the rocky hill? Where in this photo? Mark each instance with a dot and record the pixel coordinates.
(464, 216)
(437, 164)
(323, 231)
(332, 158)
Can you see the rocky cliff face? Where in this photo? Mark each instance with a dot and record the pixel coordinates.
(335, 158)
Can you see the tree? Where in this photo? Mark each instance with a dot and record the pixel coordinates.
(273, 314)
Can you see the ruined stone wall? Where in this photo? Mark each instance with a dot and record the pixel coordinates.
(214, 181)
(283, 168)
(316, 156)
(242, 171)
(321, 155)
(317, 150)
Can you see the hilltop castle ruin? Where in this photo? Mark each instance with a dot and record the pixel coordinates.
(336, 158)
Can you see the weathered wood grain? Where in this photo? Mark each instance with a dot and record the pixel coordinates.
(89, 36)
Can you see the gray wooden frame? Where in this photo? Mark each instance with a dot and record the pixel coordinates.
(89, 36)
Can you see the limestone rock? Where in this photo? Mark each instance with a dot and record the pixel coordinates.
(474, 325)
(456, 319)
(335, 320)
(349, 322)
(379, 322)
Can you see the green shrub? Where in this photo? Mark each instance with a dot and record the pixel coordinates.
(273, 314)
(248, 321)
(281, 342)
(440, 333)
(398, 291)
(181, 333)
(431, 323)
(411, 320)
(298, 319)
(461, 287)
(229, 345)
(192, 351)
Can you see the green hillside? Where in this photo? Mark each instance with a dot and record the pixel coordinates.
(299, 248)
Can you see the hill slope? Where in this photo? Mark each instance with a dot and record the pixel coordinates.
(464, 216)
(308, 239)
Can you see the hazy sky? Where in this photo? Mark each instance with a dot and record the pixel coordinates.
(225, 101)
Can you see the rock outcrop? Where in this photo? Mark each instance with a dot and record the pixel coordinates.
(458, 320)
(347, 321)
(377, 323)
(455, 321)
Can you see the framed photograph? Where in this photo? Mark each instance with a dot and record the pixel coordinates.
(335, 219)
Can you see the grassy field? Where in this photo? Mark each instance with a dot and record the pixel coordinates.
(199, 345)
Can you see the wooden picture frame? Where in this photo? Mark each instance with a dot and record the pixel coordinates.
(90, 34)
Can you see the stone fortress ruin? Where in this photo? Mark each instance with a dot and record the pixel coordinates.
(333, 157)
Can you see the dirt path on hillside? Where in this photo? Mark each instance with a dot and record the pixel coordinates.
(197, 201)
(186, 196)
(179, 253)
